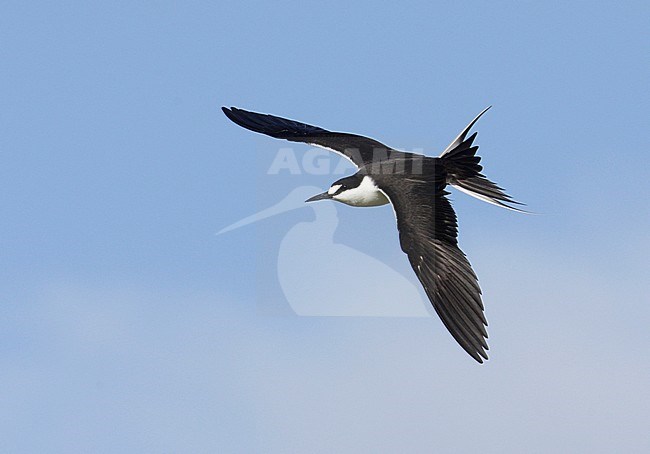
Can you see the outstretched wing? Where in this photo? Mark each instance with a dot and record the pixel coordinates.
(358, 149)
(428, 233)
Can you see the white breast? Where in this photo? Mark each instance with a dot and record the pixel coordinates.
(367, 194)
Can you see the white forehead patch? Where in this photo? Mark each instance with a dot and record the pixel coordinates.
(333, 189)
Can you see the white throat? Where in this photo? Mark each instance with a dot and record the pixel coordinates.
(367, 194)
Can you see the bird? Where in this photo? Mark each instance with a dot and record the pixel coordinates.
(415, 185)
(308, 246)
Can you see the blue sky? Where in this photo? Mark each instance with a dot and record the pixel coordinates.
(127, 325)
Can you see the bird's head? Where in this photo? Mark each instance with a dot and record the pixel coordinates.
(355, 190)
(337, 189)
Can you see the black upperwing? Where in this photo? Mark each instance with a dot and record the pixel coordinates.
(428, 233)
(358, 149)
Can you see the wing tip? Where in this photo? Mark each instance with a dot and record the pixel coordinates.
(252, 121)
(228, 111)
(480, 355)
(461, 137)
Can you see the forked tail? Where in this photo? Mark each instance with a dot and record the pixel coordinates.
(464, 171)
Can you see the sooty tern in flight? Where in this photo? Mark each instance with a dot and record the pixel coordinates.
(415, 185)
